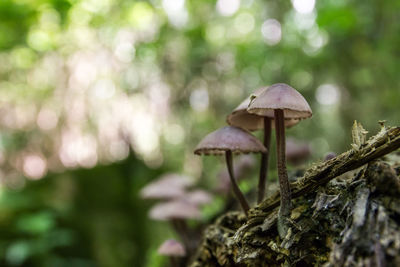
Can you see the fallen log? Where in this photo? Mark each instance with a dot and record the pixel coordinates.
(346, 212)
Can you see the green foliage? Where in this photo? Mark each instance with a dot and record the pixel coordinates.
(79, 218)
(85, 82)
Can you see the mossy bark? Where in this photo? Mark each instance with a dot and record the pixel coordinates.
(346, 212)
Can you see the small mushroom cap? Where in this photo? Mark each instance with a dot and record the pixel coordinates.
(176, 209)
(170, 185)
(162, 192)
(281, 96)
(329, 156)
(172, 248)
(240, 117)
(198, 197)
(297, 152)
(229, 138)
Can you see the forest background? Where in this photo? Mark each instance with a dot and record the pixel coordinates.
(99, 97)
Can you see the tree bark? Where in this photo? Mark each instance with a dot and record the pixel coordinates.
(346, 212)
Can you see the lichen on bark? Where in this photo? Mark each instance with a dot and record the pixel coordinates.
(346, 212)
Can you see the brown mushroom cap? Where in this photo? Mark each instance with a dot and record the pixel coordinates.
(281, 96)
(229, 138)
(240, 117)
(177, 209)
(173, 248)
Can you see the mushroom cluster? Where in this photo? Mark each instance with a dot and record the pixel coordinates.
(281, 102)
(277, 106)
(242, 118)
(179, 202)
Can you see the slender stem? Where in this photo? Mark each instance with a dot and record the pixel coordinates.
(174, 261)
(284, 210)
(182, 230)
(264, 160)
(235, 187)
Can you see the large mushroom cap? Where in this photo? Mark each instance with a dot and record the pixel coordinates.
(240, 117)
(177, 209)
(229, 138)
(281, 96)
(173, 248)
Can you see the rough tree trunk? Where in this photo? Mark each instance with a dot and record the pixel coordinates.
(346, 212)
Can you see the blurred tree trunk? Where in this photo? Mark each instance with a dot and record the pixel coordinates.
(346, 212)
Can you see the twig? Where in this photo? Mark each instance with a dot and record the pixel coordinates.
(386, 141)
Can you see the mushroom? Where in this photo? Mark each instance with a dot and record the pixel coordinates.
(168, 186)
(297, 152)
(176, 212)
(198, 197)
(175, 209)
(228, 140)
(329, 156)
(240, 117)
(280, 101)
(173, 249)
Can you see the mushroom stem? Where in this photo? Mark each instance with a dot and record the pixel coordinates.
(173, 261)
(182, 230)
(236, 190)
(285, 207)
(264, 160)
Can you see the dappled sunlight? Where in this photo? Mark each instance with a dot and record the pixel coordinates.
(106, 95)
(199, 99)
(244, 23)
(227, 7)
(271, 31)
(303, 6)
(328, 94)
(34, 166)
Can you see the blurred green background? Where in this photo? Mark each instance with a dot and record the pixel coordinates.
(99, 97)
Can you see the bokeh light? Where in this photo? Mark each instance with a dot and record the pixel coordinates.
(328, 94)
(271, 31)
(199, 99)
(35, 166)
(228, 7)
(303, 6)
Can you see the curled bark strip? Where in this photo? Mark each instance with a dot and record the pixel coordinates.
(386, 141)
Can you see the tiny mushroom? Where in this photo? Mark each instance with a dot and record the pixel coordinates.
(172, 249)
(329, 156)
(281, 102)
(176, 212)
(240, 117)
(228, 140)
(168, 186)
